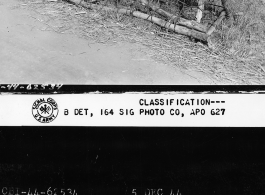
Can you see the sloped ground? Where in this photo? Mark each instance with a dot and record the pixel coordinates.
(38, 48)
(61, 43)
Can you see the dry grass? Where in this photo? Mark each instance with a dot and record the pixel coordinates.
(237, 58)
(245, 37)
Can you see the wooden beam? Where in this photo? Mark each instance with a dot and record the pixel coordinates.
(180, 21)
(227, 9)
(216, 23)
(176, 28)
(200, 10)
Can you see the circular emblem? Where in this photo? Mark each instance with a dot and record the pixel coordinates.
(45, 110)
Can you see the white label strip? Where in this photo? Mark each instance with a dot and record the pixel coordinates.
(129, 109)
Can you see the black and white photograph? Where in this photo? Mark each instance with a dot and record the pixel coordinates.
(127, 42)
(132, 97)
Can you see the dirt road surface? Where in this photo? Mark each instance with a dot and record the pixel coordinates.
(30, 55)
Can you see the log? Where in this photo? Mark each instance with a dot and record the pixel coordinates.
(216, 23)
(180, 21)
(227, 9)
(176, 28)
(200, 10)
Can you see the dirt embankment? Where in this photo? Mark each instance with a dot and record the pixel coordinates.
(29, 54)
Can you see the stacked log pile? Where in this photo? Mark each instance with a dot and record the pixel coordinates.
(180, 25)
